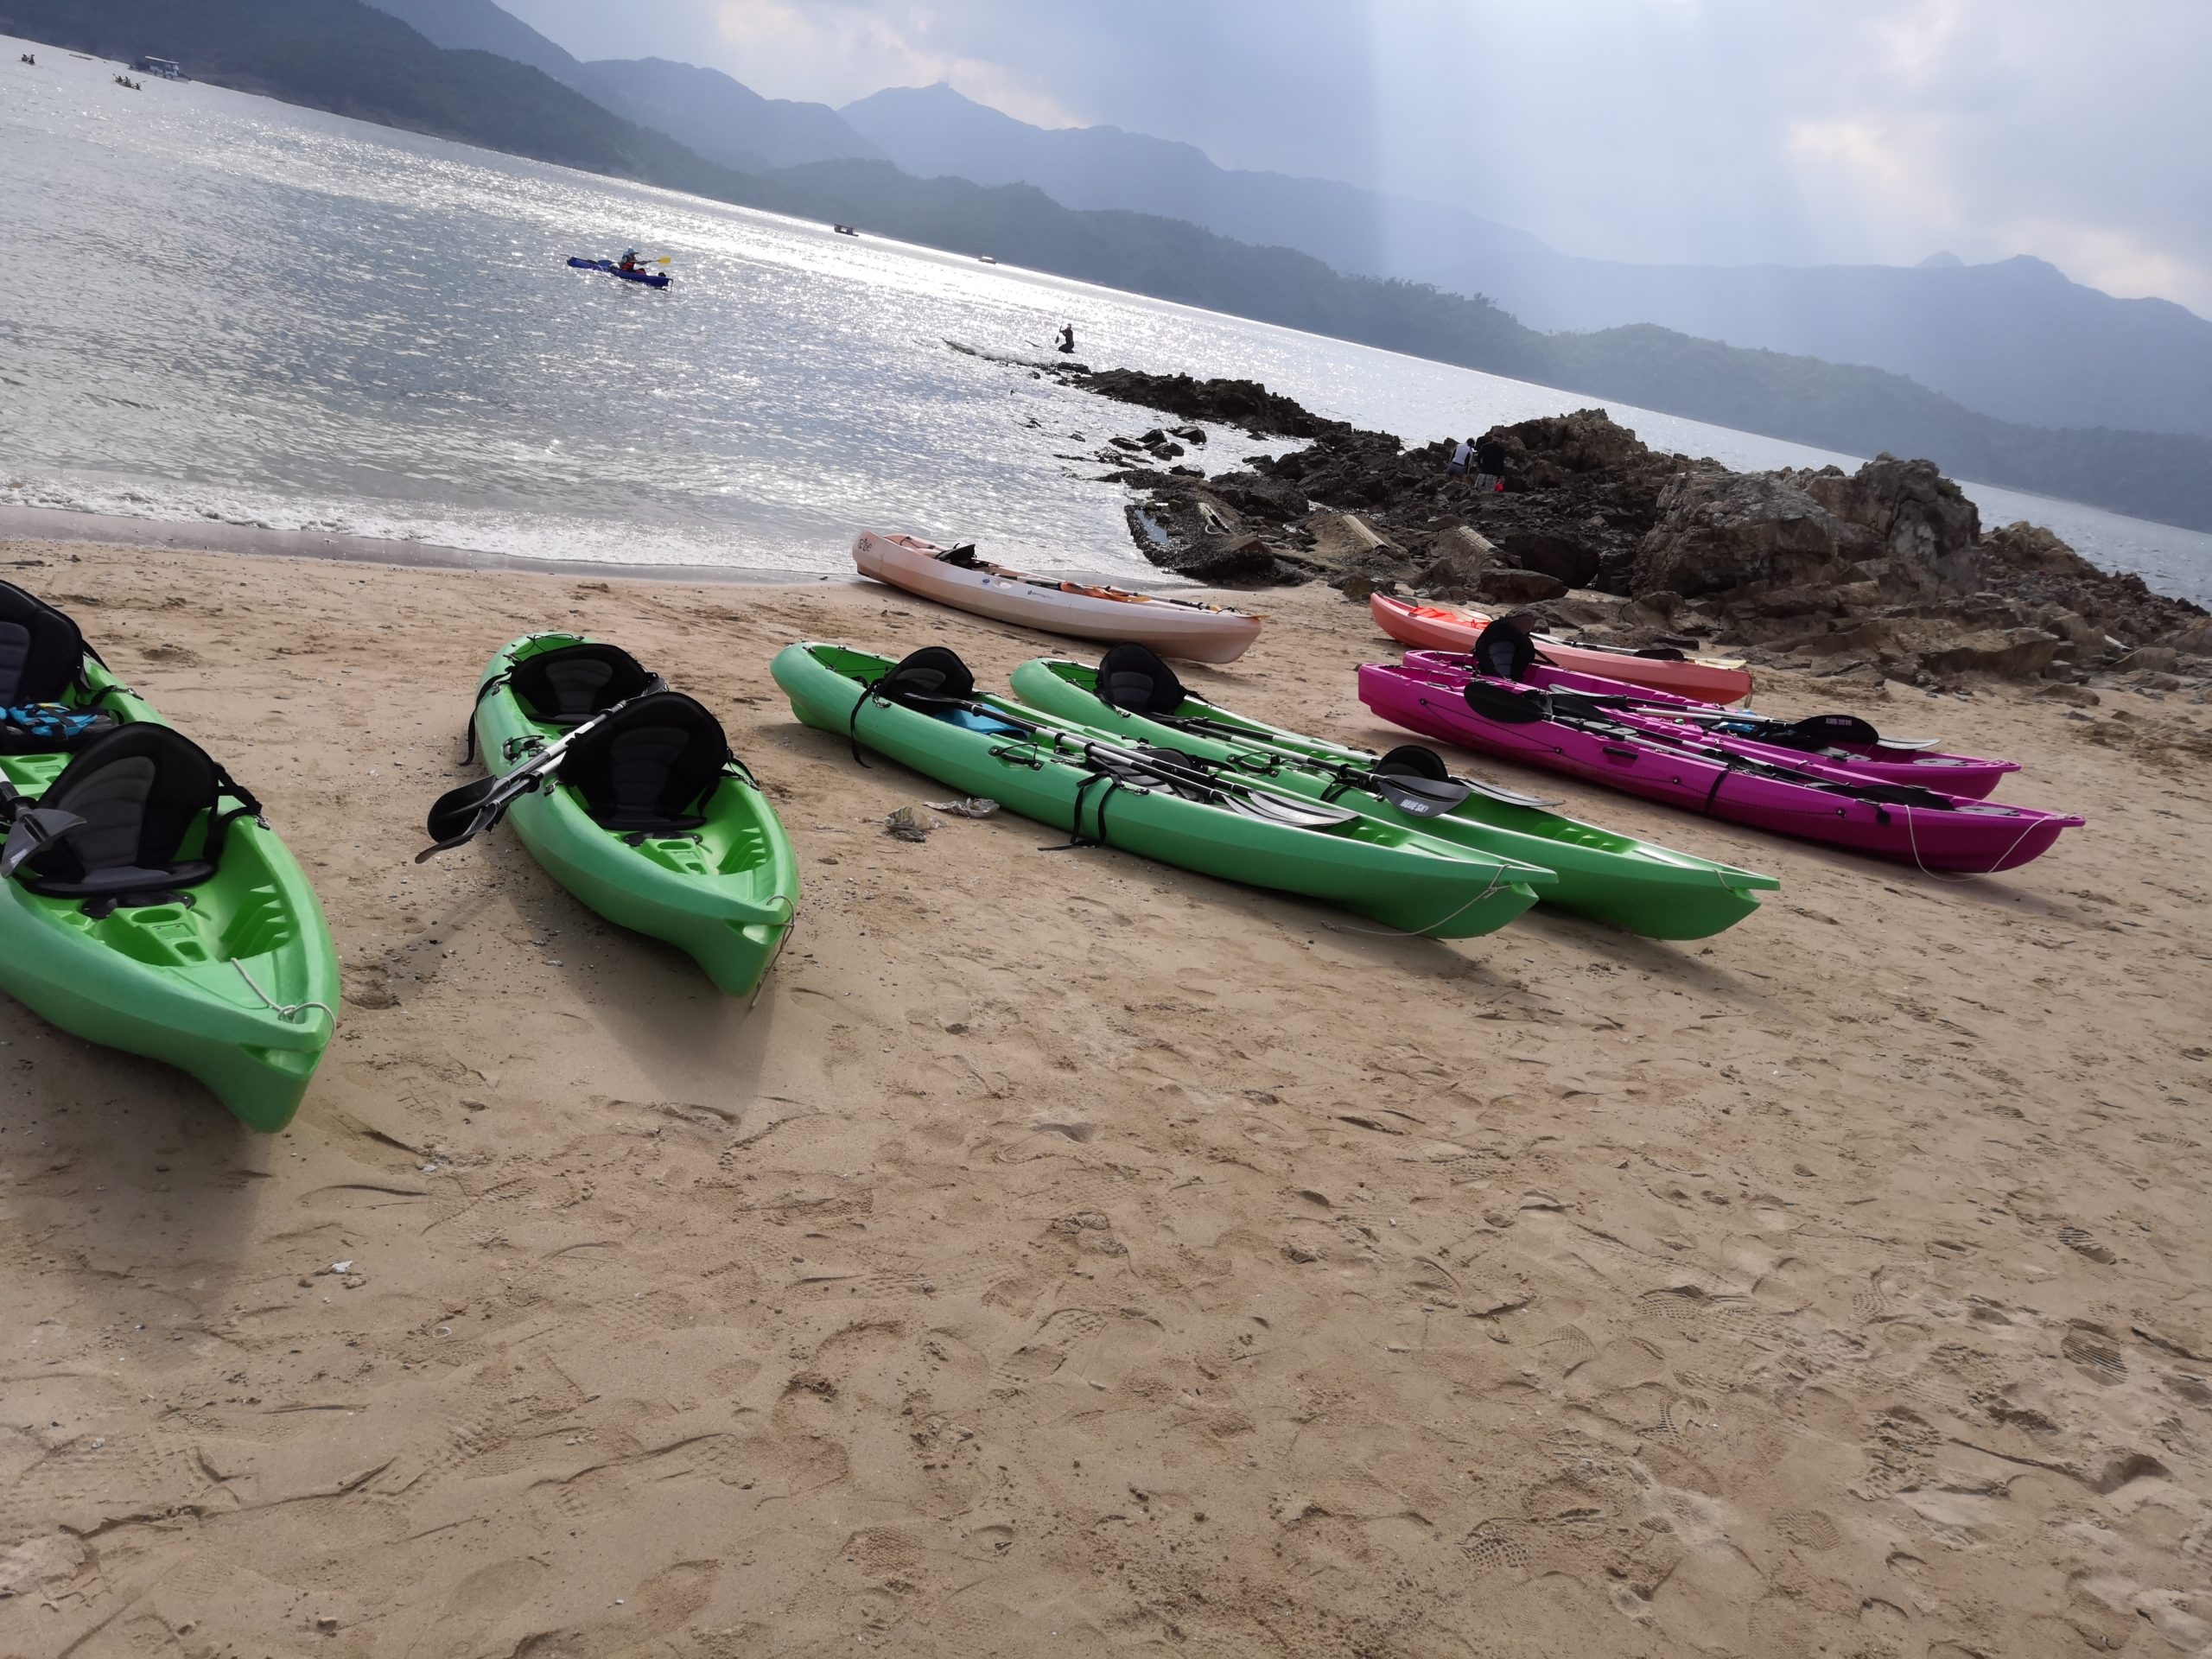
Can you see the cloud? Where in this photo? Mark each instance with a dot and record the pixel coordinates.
(834, 53)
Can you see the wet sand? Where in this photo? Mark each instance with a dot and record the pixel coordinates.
(1070, 1254)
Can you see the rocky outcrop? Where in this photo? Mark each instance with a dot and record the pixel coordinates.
(1885, 567)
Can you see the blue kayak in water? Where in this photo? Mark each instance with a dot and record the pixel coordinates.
(649, 278)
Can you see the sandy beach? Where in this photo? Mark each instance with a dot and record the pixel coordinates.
(1070, 1255)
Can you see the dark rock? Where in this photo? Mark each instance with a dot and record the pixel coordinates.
(1245, 404)
(2014, 653)
(1721, 530)
(1564, 556)
(1508, 587)
(1191, 435)
(1271, 499)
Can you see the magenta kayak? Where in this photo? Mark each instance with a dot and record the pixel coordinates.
(1907, 822)
(1822, 742)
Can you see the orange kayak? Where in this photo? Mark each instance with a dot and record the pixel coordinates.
(1441, 628)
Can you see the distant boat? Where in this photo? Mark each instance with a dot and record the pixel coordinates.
(165, 67)
(844, 230)
(987, 259)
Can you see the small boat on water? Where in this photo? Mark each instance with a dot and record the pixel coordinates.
(165, 67)
(844, 230)
(986, 259)
(649, 278)
(1188, 628)
(1442, 627)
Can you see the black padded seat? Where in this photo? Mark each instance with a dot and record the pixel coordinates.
(567, 686)
(1132, 677)
(647, 769)
(1503, 650)
(41, 649)
(138, 790)
(933, 674)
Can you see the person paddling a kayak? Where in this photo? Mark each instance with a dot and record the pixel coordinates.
(629, 260)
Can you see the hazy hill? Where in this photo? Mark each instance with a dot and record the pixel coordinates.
(354, 59)
(704, 110)
(2016, 340)
(480, 25)
(723, 119)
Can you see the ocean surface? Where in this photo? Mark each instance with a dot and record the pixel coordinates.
(217, 307)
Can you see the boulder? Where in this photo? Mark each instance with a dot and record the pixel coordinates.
(1225, 559)
(1563, 557)
(2010, 653)
(1501, 585)
(1720, 530)
(1922, 518)
(1457, 558)
(1346, 538)
(1271, 499)
(2194, 640)
(2153, 659)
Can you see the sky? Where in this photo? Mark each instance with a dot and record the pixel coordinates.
(1702, 132)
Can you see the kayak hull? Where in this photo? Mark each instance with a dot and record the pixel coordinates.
(1408, 882)
(1442, 627)
(1615, 879)
(1977, 837)
(725, 894)
(175, 983)
(1201, 634)
(1970, 776)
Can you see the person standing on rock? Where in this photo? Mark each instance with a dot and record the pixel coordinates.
(1489, 466)
(1457, 467)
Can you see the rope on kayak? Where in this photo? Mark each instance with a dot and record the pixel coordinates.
(1912, 840)
(1496, 882)
(285, 1011)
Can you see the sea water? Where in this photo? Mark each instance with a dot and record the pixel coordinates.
(217, 307)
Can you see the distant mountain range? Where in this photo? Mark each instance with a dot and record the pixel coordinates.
(345, 56)
(2015, 339)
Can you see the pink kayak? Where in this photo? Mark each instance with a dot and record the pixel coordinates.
(1907, 823)
(1823, 740)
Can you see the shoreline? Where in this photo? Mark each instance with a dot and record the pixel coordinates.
(63, 526)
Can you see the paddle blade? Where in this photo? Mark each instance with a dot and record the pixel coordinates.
(38, 826)
(1421, 797)
(1294, 814)
(461, 815)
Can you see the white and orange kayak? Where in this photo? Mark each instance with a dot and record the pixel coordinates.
(1442, 627)
(1174, 627)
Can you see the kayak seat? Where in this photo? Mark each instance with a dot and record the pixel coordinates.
(1132, 677)
(933, 674)
(137, 792)
(566, 686)
(646, 769)
(41, 651)
(1503, 650)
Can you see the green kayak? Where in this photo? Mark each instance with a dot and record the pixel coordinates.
(146, 907)
(648, 818)
(925, 713)
(1610, 878)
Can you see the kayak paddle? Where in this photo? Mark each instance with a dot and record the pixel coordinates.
(461, 815)
(29, 828)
